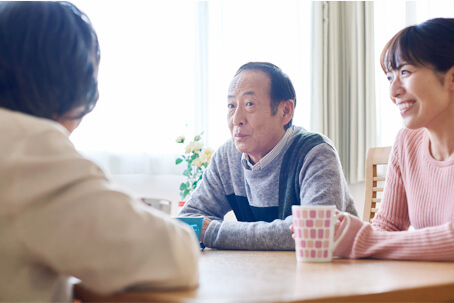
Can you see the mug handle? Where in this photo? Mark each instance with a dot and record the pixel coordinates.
(344, 231)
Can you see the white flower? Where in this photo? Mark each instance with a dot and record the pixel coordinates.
(180, 139)
(194, 146)
(197, 162)
(189, 147)
(206, 155)
(197, 146)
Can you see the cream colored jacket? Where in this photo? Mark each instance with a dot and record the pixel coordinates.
(60, 218)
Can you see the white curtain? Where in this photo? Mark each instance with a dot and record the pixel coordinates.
(390, 17)
(166, 67)
(240, 31)
(343, 100)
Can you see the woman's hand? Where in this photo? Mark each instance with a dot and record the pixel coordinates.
(293, 230)
(336, 225)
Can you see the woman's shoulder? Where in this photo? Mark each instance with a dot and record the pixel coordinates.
(23, 125)
(26, 134)
(410, 143)
(410, 136)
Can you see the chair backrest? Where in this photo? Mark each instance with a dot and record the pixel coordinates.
(374, 183)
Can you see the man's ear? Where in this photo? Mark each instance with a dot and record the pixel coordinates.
(286, 109)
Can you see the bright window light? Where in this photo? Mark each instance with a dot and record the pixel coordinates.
(166, 66)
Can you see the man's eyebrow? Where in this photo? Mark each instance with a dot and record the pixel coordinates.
(245, 93)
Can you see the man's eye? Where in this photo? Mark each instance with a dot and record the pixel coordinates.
(249, 104)
(230, 106)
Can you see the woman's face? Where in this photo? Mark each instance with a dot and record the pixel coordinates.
(424, 97)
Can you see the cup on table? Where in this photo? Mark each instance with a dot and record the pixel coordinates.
(195, 222)
(161, 204)
(314, 231)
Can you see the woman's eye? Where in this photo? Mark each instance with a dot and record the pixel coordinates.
(404, 72)
(230, 106)
(249, 103)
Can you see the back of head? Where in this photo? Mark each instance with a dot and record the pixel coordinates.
(430, 44)
(281, 86)
(49, 56)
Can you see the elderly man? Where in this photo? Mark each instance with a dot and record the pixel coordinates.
(268, 166)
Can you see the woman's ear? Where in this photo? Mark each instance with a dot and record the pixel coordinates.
(450, 78)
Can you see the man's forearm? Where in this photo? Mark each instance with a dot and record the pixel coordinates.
(250, 235)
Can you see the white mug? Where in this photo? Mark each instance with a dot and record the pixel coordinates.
(314, 232)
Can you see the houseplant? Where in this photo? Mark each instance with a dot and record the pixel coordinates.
(197, 157)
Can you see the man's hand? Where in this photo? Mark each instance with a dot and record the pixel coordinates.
(206, 223)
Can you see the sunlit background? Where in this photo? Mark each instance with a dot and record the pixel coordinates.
(166, 65)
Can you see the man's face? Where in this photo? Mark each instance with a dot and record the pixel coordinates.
(255, 130)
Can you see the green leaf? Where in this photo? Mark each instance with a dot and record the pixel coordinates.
(183, 186)
(186, 173)
(178, 161)
(183, 195)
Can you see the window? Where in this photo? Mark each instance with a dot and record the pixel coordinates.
(146, 76)
(390, 17)
(166, 66)
(242, 31)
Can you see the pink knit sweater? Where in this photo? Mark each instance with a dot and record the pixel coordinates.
(419, 191)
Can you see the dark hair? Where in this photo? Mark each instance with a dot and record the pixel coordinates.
(281, 87)
(49, 54)
(430, 44)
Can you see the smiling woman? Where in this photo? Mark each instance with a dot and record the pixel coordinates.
(389, 18)
(418, 192)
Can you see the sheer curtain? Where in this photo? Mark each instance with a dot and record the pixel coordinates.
(166, 67)
(147, 79)
(390, 17)
(348, 39)
(241, 31)
(343, 80)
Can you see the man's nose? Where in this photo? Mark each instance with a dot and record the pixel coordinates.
(239, 118)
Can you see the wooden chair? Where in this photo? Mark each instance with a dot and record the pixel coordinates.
(374, 183)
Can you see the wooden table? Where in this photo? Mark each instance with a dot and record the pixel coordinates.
(253, 276)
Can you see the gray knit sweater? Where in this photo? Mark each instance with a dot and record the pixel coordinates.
(307, 171)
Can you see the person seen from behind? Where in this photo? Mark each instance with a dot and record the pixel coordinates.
(59, 216)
